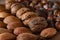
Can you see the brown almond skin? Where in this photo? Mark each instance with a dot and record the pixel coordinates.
(2, 24)
(57, 25)
(10, 19)
(3, 30)
(6, 36)
(4, 14)
(20, 30)
(21, 11)
(13, 25)
(48, 32)
(27, 36)
(37, 24)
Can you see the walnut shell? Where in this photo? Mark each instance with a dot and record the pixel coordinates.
(37, 24)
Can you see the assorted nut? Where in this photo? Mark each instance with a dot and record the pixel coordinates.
(29, 20)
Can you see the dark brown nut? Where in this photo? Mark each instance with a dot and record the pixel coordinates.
(21, 11)
(3, 30)
(27, 36)
(20, 30)
(15, 7)
(37, 24)
(48, 32)
(58, 19)
(57, 25)
(4, 14)
(56, 37)
(10, 19)
(6, 36)
(2, 8)
(13, 25)
(2, 25)
(28, 15)
(27, 21)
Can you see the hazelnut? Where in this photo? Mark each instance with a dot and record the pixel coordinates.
(13, 25)
(4, 14)
(37, 24)
(6, 36)
(48, 32)
(10, 19)
(27, 36)
(57, 25)
(21, 11)
(20, 30)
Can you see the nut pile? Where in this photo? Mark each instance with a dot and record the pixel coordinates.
(20, 21)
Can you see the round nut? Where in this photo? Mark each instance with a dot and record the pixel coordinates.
(27, 36)
(21, 11)
(4, 14)
(57, 25)
(15, 7)
(48, 32)
(2, 25)
(28, 15)
(10, 19)
(13, 25)
(3, 30)
(58, 19)
(6, 36)
(37, 24)
(20, 30)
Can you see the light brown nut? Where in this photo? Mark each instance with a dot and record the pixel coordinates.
(10, 19)
(21, 11)
(3, 30)
(28, 15)
(13, 25)
(8, 5)
(27, 36)
(37, 24)
(20, 30)
(2, 25)
(48, 32)
(4, 14)
(15, 7)
(6, 36)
